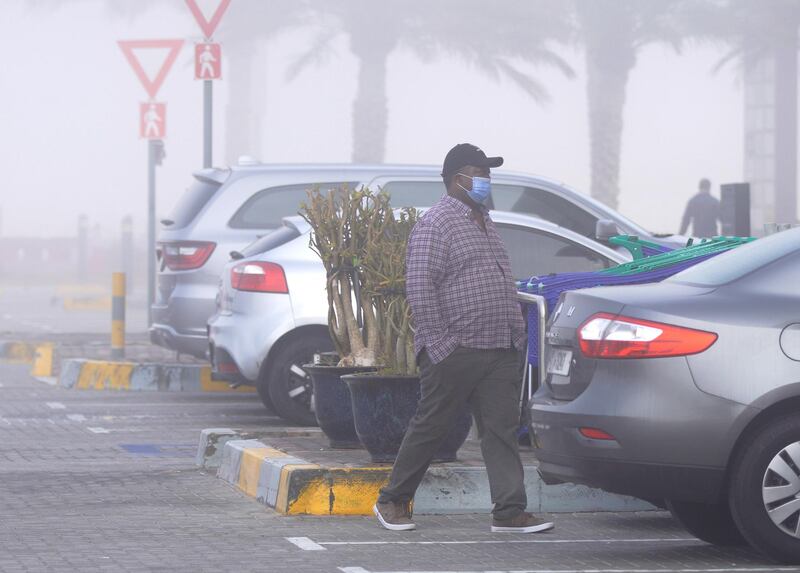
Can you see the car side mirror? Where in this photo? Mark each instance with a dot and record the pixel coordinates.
(605, 229)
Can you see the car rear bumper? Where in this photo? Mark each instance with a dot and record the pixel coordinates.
(248, 333)
(179, 323)
(647, 481)
(671, 441)
(167, 337)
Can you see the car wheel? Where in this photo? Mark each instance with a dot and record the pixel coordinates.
(765, 489)
(263, 392)
(711, 523)
(289, 386)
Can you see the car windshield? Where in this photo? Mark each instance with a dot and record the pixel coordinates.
(192, 202)
(741, 261)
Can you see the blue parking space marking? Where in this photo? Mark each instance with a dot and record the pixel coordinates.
(165, 450)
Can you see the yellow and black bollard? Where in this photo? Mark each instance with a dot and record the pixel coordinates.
(118, 316)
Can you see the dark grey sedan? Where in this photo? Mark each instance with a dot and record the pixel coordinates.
(686, 391)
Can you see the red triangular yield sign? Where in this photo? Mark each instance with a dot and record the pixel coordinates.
(208, 26)
(151, 86)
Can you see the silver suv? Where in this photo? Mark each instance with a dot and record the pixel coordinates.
(224, 210)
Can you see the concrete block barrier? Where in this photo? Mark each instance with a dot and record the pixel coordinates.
(107, 375)
(293, 486)
(14, 351)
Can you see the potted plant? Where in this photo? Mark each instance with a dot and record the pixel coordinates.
(337, 238)
(384, 401)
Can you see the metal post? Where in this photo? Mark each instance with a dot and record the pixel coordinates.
(152, 157)
(208, 93)
(83, 248)
(118, 316)
(126, 242)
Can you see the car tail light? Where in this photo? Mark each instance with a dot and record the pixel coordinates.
(610, 336)
(259, 277)
(186, 255)
(596, 434)
(227, 368)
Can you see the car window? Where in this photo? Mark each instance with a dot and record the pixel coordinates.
(191, 203)
(414, 193)
(271, 240)
(533, 252)
(267, 208)
(545, 205)
(741, 261)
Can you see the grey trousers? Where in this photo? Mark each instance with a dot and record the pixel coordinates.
(489, 381)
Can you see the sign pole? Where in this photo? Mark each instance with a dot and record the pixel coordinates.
(207, 67)
(152, 126)
(151, 228)
(208, 104)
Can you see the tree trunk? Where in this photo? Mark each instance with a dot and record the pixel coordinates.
(240, 121)
(370, 108)
(608, 29)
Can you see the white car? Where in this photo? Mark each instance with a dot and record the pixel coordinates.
(272, 309)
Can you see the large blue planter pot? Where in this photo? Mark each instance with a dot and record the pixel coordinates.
(332, 405)
(382, 409)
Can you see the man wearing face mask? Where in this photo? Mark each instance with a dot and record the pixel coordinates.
(468, 338)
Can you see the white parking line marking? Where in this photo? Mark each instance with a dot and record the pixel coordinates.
(305, 543)
(308, 544)
(511, 541)
(56, 406)
(97, 430)
(49, 380)
(711, 570)
(76, 417)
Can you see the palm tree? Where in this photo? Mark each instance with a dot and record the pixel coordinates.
(497, 38)
(246, 29)
(613, 32)
(765, 33)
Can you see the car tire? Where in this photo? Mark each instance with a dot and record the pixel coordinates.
(263, 392)
(768, 518)
(289, 386)
(708, 522)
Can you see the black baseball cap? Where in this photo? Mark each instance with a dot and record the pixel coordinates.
(467, 154)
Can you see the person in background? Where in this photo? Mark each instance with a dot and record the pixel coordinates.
(702, 211)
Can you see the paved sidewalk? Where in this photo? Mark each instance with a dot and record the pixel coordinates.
(106, 482)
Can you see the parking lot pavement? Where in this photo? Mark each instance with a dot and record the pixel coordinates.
(46, 310)
(106, 481)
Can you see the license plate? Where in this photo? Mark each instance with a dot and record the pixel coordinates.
(559, 362)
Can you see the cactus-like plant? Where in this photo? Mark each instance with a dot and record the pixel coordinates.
(362, 244)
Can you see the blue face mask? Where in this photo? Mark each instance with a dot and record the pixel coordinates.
(481, 188)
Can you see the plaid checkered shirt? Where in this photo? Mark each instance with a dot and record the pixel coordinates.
(459, 283)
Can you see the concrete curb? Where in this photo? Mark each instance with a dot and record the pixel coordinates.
(292, 486)
(106, 375)
(213, 440)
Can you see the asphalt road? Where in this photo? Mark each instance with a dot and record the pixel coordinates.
(105, 481)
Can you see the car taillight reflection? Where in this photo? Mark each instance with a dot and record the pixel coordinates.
(608, 336)
(186, 255)
(259, 277)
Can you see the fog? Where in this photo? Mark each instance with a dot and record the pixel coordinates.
(69, 141)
